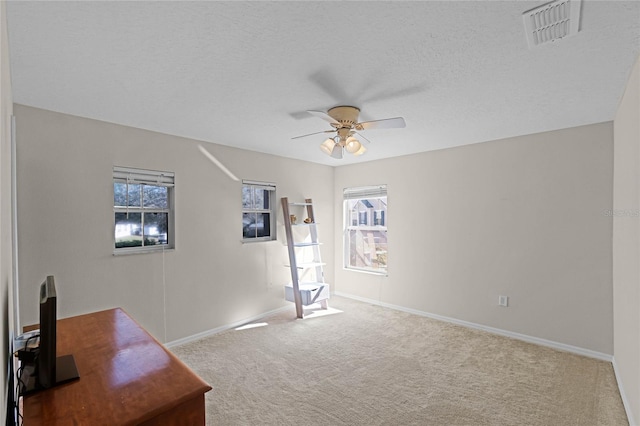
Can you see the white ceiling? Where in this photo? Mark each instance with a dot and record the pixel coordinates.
(244, 73)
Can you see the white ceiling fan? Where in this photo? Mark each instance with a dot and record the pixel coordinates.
(344, 120)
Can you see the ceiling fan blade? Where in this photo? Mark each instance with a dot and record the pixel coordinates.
(330, 84)
(311, 134)
(389, 94)
(360, 135)
(323, 115)
(387, 123)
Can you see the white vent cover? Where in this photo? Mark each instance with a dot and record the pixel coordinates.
(551, 22)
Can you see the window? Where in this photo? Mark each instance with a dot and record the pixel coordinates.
(258, 211)
(365, 233)
(143, 210)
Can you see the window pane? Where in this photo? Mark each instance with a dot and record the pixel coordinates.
(128, 230)
(134, 195)
(155, 196)
(119, 194)
(367, 249)
(155, 228)
(263, 225)
(261, 199)
(249, 225)
(247, 197)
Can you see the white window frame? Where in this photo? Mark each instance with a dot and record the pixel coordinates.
(134, 176)
(271, 187)
(361, 193)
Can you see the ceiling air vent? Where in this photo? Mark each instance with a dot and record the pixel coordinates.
(551, 22)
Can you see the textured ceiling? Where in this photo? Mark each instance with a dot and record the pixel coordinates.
(244, 73)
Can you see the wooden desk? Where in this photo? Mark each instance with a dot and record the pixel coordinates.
(126, 378)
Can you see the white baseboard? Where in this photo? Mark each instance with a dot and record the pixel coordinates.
(536, 340)
(625, 401)
(220, 329)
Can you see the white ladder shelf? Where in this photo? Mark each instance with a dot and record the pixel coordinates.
(304, 293)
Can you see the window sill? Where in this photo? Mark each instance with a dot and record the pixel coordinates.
(258, 240)
(366, 271)
(124, 252)
(366, 228)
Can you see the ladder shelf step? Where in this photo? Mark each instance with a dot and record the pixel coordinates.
(308, 265)
(307, 244)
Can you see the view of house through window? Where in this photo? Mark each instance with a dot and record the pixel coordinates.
(258, 211)
(365, 233)
(143, 206)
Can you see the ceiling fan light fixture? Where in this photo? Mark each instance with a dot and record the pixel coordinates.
(337, 151)
(360, 151)
(327, 146)
(353, 145)
(344, 123)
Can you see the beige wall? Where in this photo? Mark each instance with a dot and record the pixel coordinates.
(523, 217)
(65, 225)
(626, 244)
(6, 275)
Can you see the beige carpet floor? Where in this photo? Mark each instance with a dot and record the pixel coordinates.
(369, 365)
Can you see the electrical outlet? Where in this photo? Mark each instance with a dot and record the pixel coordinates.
(503, 301)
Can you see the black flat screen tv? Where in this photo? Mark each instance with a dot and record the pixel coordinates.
(47, 355)
(51, 370)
